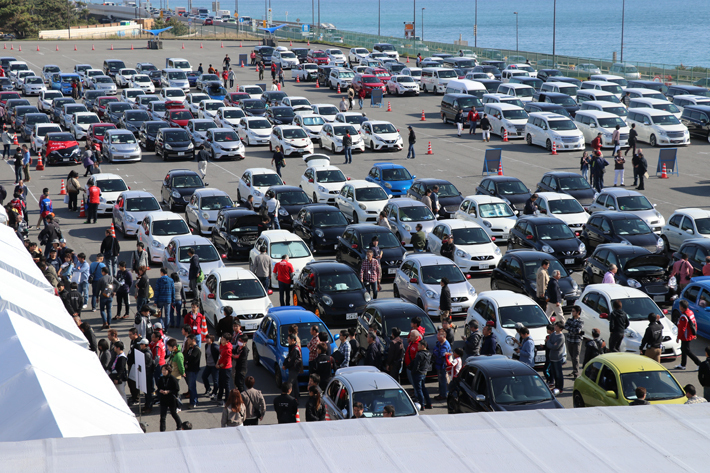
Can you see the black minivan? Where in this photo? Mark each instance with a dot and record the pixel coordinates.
(697, 119)
(452, 103)
(112, 66)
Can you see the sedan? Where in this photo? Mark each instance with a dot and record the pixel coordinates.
(331, 137)
(568, 183)
(33, 86)
(510, 189)
(104, 84)
(224, 143)
(229, 117)
(474, 251)
(255, 131)
(380, 135)
(131, 209)
(143, 82)
(620, 227)
(448, 195)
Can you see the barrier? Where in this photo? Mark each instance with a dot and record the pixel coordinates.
(669, 158)
(492, 161)
(376, 98)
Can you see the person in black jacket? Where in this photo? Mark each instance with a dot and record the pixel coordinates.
(641, 168)
(240, 355)
(554, 297)
(348, 148)
(420, 366)
(168, 389)
(448, 248)
(652, 338)
(633, 137)
(412, 141)
(594, 347)
(211, 371)
(322, 365)
(119, 371)
(192, 367)
(144, 347)
(704, 374)
(315, 407)
(194, 271)
(293, 363)
(531, 205)
(458, 119)
(285, 405)
(110, 248)
(75, 301)
(225, 323)
(618, 323)
(445, 300)
(373, 353)
(89, 334)
(395, 354)
(472, 343)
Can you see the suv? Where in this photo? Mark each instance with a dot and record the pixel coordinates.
(112, 66)
(545, 128)
(697, 119)
(340, 77)
(263, 54)
(658, 127)
(317, 56)
(368, 82)
(687, 90)
(387, 49)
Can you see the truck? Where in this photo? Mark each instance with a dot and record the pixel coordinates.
(182, 11)
(222, 14)
(200, 12)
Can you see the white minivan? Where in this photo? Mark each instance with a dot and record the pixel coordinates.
(610, 78)
(413, 72)
(636, 93)
(177, 78)
(584, 95)
(658, 127)
(506, 75)
(545, 128)
(593, 122)
(658, 104)
(506, 117)
(435, 79)
(560, 87)
(178, 63)
(521, 91)
(682, 101)
(617, 109)
(465, 86)
(605, 86)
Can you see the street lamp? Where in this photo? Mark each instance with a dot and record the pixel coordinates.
(516, 31)
(423, 24)
(554, 30)
(379, 13)
(475, 25)
(623, 11)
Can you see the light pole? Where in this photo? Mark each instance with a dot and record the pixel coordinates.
(423, 24)
(475, 26)
(623, 11)
(554, 30)
(379, 13)
(414, 21)
(516, 32)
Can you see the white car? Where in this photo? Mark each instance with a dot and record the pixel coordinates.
(320, 179)
(658, 127)
(131, 209)
(336, 57)
(177, 260)
(33, 86)
(305, 72)
(193, 101)
(300, 105)
(292, 140)
(340, 77)
(416, 74)
(351, 118)
(68, 110)
(278, 243)
(325, 110)
(475, 250)
(564, 207)
(124, 76)
(143, 102)
(143, 82)
(197, 128)
(157, 229)
(597, 302)
(224, 143)
(545, 128)
(89, 74)
(331, 137)
(40, 131)
(157, 110)
(229, 117)
(239, 289)
(506, 117)
(658, 104)
(505, 309)
(685, 224)
(357, 54)
(208, 108)
(45, 99)
(522, 67)
(202, 209)
(111, 186)
(255, 182)
(20, 78)
(630, 201)
(285, 59)
(81, 122)
(130, 95)
(593, 122)
(105, 84)
(172, 93)
(402, 85)
(255, 131)
(380, 135)
(361, 201)
(492, 214)
(254, 91)
(311, 124)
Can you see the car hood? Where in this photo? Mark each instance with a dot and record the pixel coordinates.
(283, 121)
(249, 306)
(388, 136)
(206, 266)
(454, 200)
(583, 196)
(402, 186)
(125, 146)
(187, 191)
(332, 233)
(567, 285)
(344, 300)
(459, 289)
(479, 250)
(139, 216)
(392, 254)
(647, 241)
(229, 144)
(572, 219)
(313, 128)
(571, 244)
(551, 404)
(180, 145)
(647, 260)
(332, 186)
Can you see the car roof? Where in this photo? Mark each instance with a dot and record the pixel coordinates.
(182, 172)
(291, 314)
(561, 173)
(615, 291)
(260, 171)
(189, 240)
(431, 180)
(496, 366)
(505, 106)
(429, 259)
(117, 131)
(630, 362)
(555, 196)
(485, 199)
(617, 192)
(549, 116)
(158, 215)
(612, 215)
(507, 298)
(104, 175)
(699, 108)
(693, 212)
(329, 266)
(407, 202)
(502, 178)
(529, 255)
(619, 248)
(368, 227)
(280, 235)
(455, 223)
(650, 111)
(379, 122)
(208, 192)
(388, 166)
(233, 272)
(132, 194)
(285, 188)
(601, 113)
(361, 378)
(541, 220)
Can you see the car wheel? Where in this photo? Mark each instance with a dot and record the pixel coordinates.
(444, 119)
(356, 219)
(255, 354)
(528, 139)
(666, 245)
(246, 140)
(577, 400)
(420, 304)
(548, 145)
(585, 278)
(278, 376)
(332, 147)
(494, 285)
(653, 141)
(395, 292)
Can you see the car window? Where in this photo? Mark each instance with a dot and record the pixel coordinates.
(687, 224)
(606, 227)
(591, 300)
(515, 268)
(607, 380)
(333, 389)
(592, 371)
(675, 220)
(603, 305)
(481, 387)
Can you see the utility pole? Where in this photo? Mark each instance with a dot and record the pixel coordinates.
(414, 21)
(517, 50)
(68, 21)
(423, 24)
(623, 12)
(475, 25)
(379, 12)
(554, 31)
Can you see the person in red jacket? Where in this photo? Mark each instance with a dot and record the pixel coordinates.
(157, 349)
(687, 332)
(283, 271)
(597, 142)
(411, 352)
(94, 199)
(224, 365)
(197, 323)
(473, 118)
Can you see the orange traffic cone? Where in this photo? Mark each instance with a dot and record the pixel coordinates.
(82, 211)
(38, 47)
(40, 165)
(183, 45)
(554, 149)
(317, 85)
(298, 417)
(241, 64)
(407, 59)
(4, 46)
(12, 47)
(221, 44)
(112, 47)
(14, 139)
(113, 231)
(20, 48)
(57, 48)
(290, 43)
(297, 79)
(200, 45)
(309, 42)
(92, 48)
(338, 88)
(131, 46)
(279, 86)
(500, 168)
(423, 116)
(389, 106)
(664, 173)
(240, 44)
(429, 151)
(505, 135)
(63, 190)
(327, 415)
(75, 47)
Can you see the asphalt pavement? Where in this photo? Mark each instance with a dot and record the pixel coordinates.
(458, 159)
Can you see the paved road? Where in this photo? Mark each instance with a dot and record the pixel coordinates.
(458, 159)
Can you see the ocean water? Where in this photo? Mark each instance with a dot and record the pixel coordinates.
(668, 32)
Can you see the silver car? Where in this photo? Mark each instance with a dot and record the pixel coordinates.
(68, 111)
(177, 260)
(623, 200)
(33, 86)
(224, 143)
(143, 102)
(157, 110)
(130, 210)
(204, 206)
(105, 84)
(198, 128)
(404, 215)
(120, 145)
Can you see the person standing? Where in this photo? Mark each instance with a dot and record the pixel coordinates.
(448, 247)
(597, 144)
(210, 371)
(196, 321)
(383, 222)
(94, 200)
(444, 300)
(110, 248)
(119, 371)
(254, 402)
(26, 162)
(84, 270)
(343, 350)
(704, 374)
(531, 206)
(633, 137)
(598, 171)
(348, 148)
(278, 160)
(194, 272)
(281, 81)
(584, 163)
(168, 390)
(18, 166)
(485, 129)
(192, 367)
(293, 363)
(73, 187)
(164, 297)
(435, 206)
(125, 281)
(225, 77)
(554, 297)
(472, 343)
(641, 169)
(272, 209)
(619, 167)
(687, 332)
(234, 412)
(224, 365)
(351, 96)
(626, 99)
(371, 274)
(683, 271)
(231, 76)
(260, 70)
(473, 118)
(286, 407)
(618, 323)
(575, 330)
(361, 97)
(489, 341)
(442, 349)
(373, 352)
(419, 367)
(653, 338)
(315, 408)
(106, 287)
(261, 267)
(411, 140)
(343, 105)
(284, 272)
(458, 119)
(45, 207)
(542, 278)
(609, 275)
(616, 139)
(202, 157)
(594, 347)
(526, 351)
(418, 239)
(6, 143)
(240, 355)
(706, 267)
(556, 344)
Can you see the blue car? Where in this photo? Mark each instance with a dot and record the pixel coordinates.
(697, 294)
(62, 82)
(215, 90)
(192, 78)
(270, 345)
(393, 178)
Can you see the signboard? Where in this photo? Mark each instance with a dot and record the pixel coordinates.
(141, 374)
(269, 17)
(215, 6)
(376, 98)
(409, 30)
(669, 157)
(491, 161)
(243, 59)
(305, 28)
(189, 22)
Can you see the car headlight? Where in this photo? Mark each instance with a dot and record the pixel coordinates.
(319, 233)
(658, 214)
(496, 251)
(575, 286)
(113, 149)
(462, 254)
(256, 192)
(471, 290)
(662, 132)
(75, 151)
(487, 223)
(625, 242)
(233, 239)
(388, 185)
(582, 248)
(183, 272)
(323, 189)
(630, 333)
(190, 146)
(176, 194)
(432, 295)
(362, 206)
(510, 340)
(130, 218)
(156, 244)
(205, 215)
(674, 329)
(633, 283)
(407, 227)
(167, 146)
(327, 300)
(547, 249)
(659, 243)
(283, 212)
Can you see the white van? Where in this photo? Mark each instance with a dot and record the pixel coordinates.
(465, 86)
(174, 78)
(178, 63)
(506, 75)
(617, 109)
(603, 85)
(584, 95)
(506, 117)
(593, 122)
(560, 87)
(545, 128)
(682, 101)
(413, 72)
(16, 66)
(658, 104)
(637, 93)
(609, 78)
(658, 127)
(435, 79)
(502, 98)
(521, 91)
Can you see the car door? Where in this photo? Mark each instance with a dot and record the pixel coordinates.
(514, 276)
(591, 394)
(598, 266)
(701, 309)
(165, 189)
(466, 392)
(219, 237)
(119, 209)
(244, 186)
(344, 252)
(210, 298)
(332, 400)
(673, 232)
(192, 210)
(687, 230)
(435, 238)
(346, 201)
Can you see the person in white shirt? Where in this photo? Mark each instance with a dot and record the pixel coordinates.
(272, 207)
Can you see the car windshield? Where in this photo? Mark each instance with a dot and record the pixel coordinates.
(177, 136)
(515, 114)
(633, 203)
(241, 289)
(158, 106)
(119, 107)
(123, 138)
(562, 125)
(523, 92)
(313, 121)
(470, 236)
(531, 316)
(531, 268)
(293, 198)
(304, 332)
(294, 249)
(619, 111)
(511, 188)
(371, 194)
(339, 282)
(564, 206)
(665, 120)
(42, 131)
(384, 128)
(187, 181)
(217, 90)
(49, 95)
(141, 78)
(170, 227)
(103, 80)
(668, 107)
(255, 90)
(343, 130)
(87, 119)
(51, 69)
(371, 80)
(153, 128)
(213, 105)
(39, 118)
(34, 80)
(177, 76)
(386, 240)
(703, 225)
(174, 93)
(495, 210)
(332, 175)
(329, 110)
(554, 231)
(111, 185)
(419, 213)
(63, 137)
(638, 308)
(252, 105)
(205, 253)
(296, 102)
(318, 54)
(396, 174)
(208, 77)
(180, 115)
(611, 122)
(520, 390)
(333, 218)
(374, 402)
(259, 124)
(142, 204)
(266, 180)
(613, 89)
(294, 133)
(288, 55)
(216, 202)
(137, 116)
(447, 74)
(204, 125)
(310, 67)
(659, 385)
(562, 100)
(631, 226)
(355, 119)
(432, 274)
(573, 183)
(472, 102)
(227, 114)
(182, 64)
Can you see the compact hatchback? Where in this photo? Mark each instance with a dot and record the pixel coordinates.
(177, 260)
(549, 235)
(405, 214)
(130, 210)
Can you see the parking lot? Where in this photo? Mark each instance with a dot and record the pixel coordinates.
(457, 159)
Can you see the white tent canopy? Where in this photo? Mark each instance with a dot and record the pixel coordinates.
(616, 439)
(38, 306)
(22, 266)
(9, 237)
(50, 387)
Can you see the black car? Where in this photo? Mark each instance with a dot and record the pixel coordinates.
(674, 90)
(29, 121)
(174, 143)
(263, 54)
(145, 67)
(563, 100)
(192, 77)
(546, 107)
(570, 183)
(384, 315)
(331, 290)
(545, 74)
(517, 272)
(357, 239)
(58, 107)
(451, 104)
(697, 250)
(697, 119)
(273, 96)
(235, 232)
(281, 115)
(320, 226)
(11, 104)
(114, 112)
(291, 200)
(497, 383)
(254, 107)
(19, 113)
(549, 235)
(488, 70)
(112, 66)
(533, 82)
(491, 85)
(155, 78)
(449, 196)
(619, 227)
(90, 97)
(178, 186)
(301, 54)
(510, 189)
(148, 131)
(132, 120)
(323, 74)
(636, 267)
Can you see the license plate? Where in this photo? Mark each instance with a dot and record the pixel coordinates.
(250, 326)
(504, 236)
(392, 271)
(181, 153)
(351, 316)
(659, 298)
(540, 358)
(65, 159)
(483, 266)
(456, 308)
(569, 261)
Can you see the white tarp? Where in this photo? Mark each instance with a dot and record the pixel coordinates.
(9, 237)
(39, 307)
(19, 263)
(50, 387)
(664, 439)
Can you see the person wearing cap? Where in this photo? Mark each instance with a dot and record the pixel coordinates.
(489, 341)
(412, 140)
(284, 273)
(53, 260)
(448, 247)
(144, 347)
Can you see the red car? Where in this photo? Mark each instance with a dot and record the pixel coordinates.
(97, 131)
(234, 99)
(178, 118)
(174, 105)
(368, 82)
(102, 102)
(318, 57)
(61, 148)
(379, 72)
(208, 21)
(7, 95)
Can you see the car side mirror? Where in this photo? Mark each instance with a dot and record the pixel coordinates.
(480, 398)
(611, 394)
(344, 412)
(270, 342)
(593, 125)
(603, 315)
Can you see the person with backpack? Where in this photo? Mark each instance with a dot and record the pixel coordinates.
(419, 367)
(594, 347)
(687, 332)
(653, 338)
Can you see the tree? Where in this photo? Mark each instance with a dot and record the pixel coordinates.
(179, 28)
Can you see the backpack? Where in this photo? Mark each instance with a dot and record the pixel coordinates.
(692, 327)
(201, 276)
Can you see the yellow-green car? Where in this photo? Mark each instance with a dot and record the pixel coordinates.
(612, 379)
